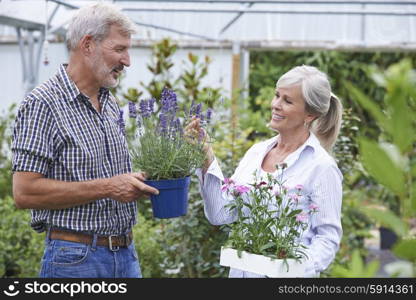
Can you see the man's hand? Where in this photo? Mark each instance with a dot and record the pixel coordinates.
(33, 190)
(129, 187)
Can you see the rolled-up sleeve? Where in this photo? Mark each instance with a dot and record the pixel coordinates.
(32, 142)
(326, 223)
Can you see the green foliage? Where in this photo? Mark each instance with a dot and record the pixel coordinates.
(381, 166)
(192, 245)
(355, 225)
(21, 247)
(387, 219)
(406, 249)
(356, 268)
(149, 248)
(6, 121)
(390, 161)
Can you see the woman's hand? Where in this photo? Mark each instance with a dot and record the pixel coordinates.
(196, 132)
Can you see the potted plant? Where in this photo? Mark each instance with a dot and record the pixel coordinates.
(164, 153)
(270, 221)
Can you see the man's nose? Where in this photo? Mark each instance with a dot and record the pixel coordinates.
(125, 60)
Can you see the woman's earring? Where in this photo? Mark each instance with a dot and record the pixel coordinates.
(305, 124)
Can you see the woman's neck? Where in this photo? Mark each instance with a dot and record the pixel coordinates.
(290, 142)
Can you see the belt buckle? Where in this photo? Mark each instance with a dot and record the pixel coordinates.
(110, 243)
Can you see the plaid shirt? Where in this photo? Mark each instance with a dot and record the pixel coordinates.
(59, 134)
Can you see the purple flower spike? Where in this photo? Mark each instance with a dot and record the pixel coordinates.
(192, 108)
(132, 110)
(209, 115)
(144, 108)
(163, 124)
(169, 101)
(197, 111)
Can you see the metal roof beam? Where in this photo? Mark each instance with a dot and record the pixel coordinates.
(233, 20)
(278, 11)
(274, 2)
(147, 25)
(20, 23)
(177, 31)
(66, 4)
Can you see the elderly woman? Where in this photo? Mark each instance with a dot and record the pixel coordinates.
(307, 118)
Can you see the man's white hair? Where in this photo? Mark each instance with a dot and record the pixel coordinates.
(95, 20)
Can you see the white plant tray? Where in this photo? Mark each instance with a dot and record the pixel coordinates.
(262, 265)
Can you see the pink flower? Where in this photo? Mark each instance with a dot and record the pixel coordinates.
(260, 184)
(313, 207)
(228, 183)
(276, 191)
(294, 198)
(299, 187)
(302, 217)
(241, 189)
(224, 188)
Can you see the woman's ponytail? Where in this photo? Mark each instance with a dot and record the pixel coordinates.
(327, 126)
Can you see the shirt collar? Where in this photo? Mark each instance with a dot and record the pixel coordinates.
(312, 142)
(72, 91)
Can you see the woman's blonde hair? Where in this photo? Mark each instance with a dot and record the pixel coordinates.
(319, 101)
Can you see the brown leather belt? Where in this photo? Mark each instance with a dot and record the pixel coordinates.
(111, 241)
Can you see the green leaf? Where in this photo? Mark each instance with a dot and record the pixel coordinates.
(388, 219)
(294, 213)
(356, 268)
(267, 246)
(414, 170)
(356, 263)
(406, 249)
(372, 269)
(370, 106)
(380, 166)
(413, 197)
(401, 121)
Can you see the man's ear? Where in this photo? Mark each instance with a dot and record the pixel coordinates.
(87, 45)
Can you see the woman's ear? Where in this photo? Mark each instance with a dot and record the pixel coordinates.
(86, 45)
(310, 118)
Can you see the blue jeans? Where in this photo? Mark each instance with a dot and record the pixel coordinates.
(63, 259)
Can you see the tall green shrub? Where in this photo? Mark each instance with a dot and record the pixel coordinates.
(391, 159)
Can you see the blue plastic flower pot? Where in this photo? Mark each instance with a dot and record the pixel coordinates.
(172, 200)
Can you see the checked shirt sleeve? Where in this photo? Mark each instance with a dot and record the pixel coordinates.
(33, 134)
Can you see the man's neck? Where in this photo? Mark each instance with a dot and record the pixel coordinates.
(83, 78)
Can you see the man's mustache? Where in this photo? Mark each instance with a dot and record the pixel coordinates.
(119, 68)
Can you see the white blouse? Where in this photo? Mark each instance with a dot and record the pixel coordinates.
(311, 166)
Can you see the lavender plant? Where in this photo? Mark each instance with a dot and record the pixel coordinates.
(163, 150)
(270, 217)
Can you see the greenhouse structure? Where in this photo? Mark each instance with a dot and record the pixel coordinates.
(225, 57)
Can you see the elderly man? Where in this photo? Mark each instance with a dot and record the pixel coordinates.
(70, 158)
